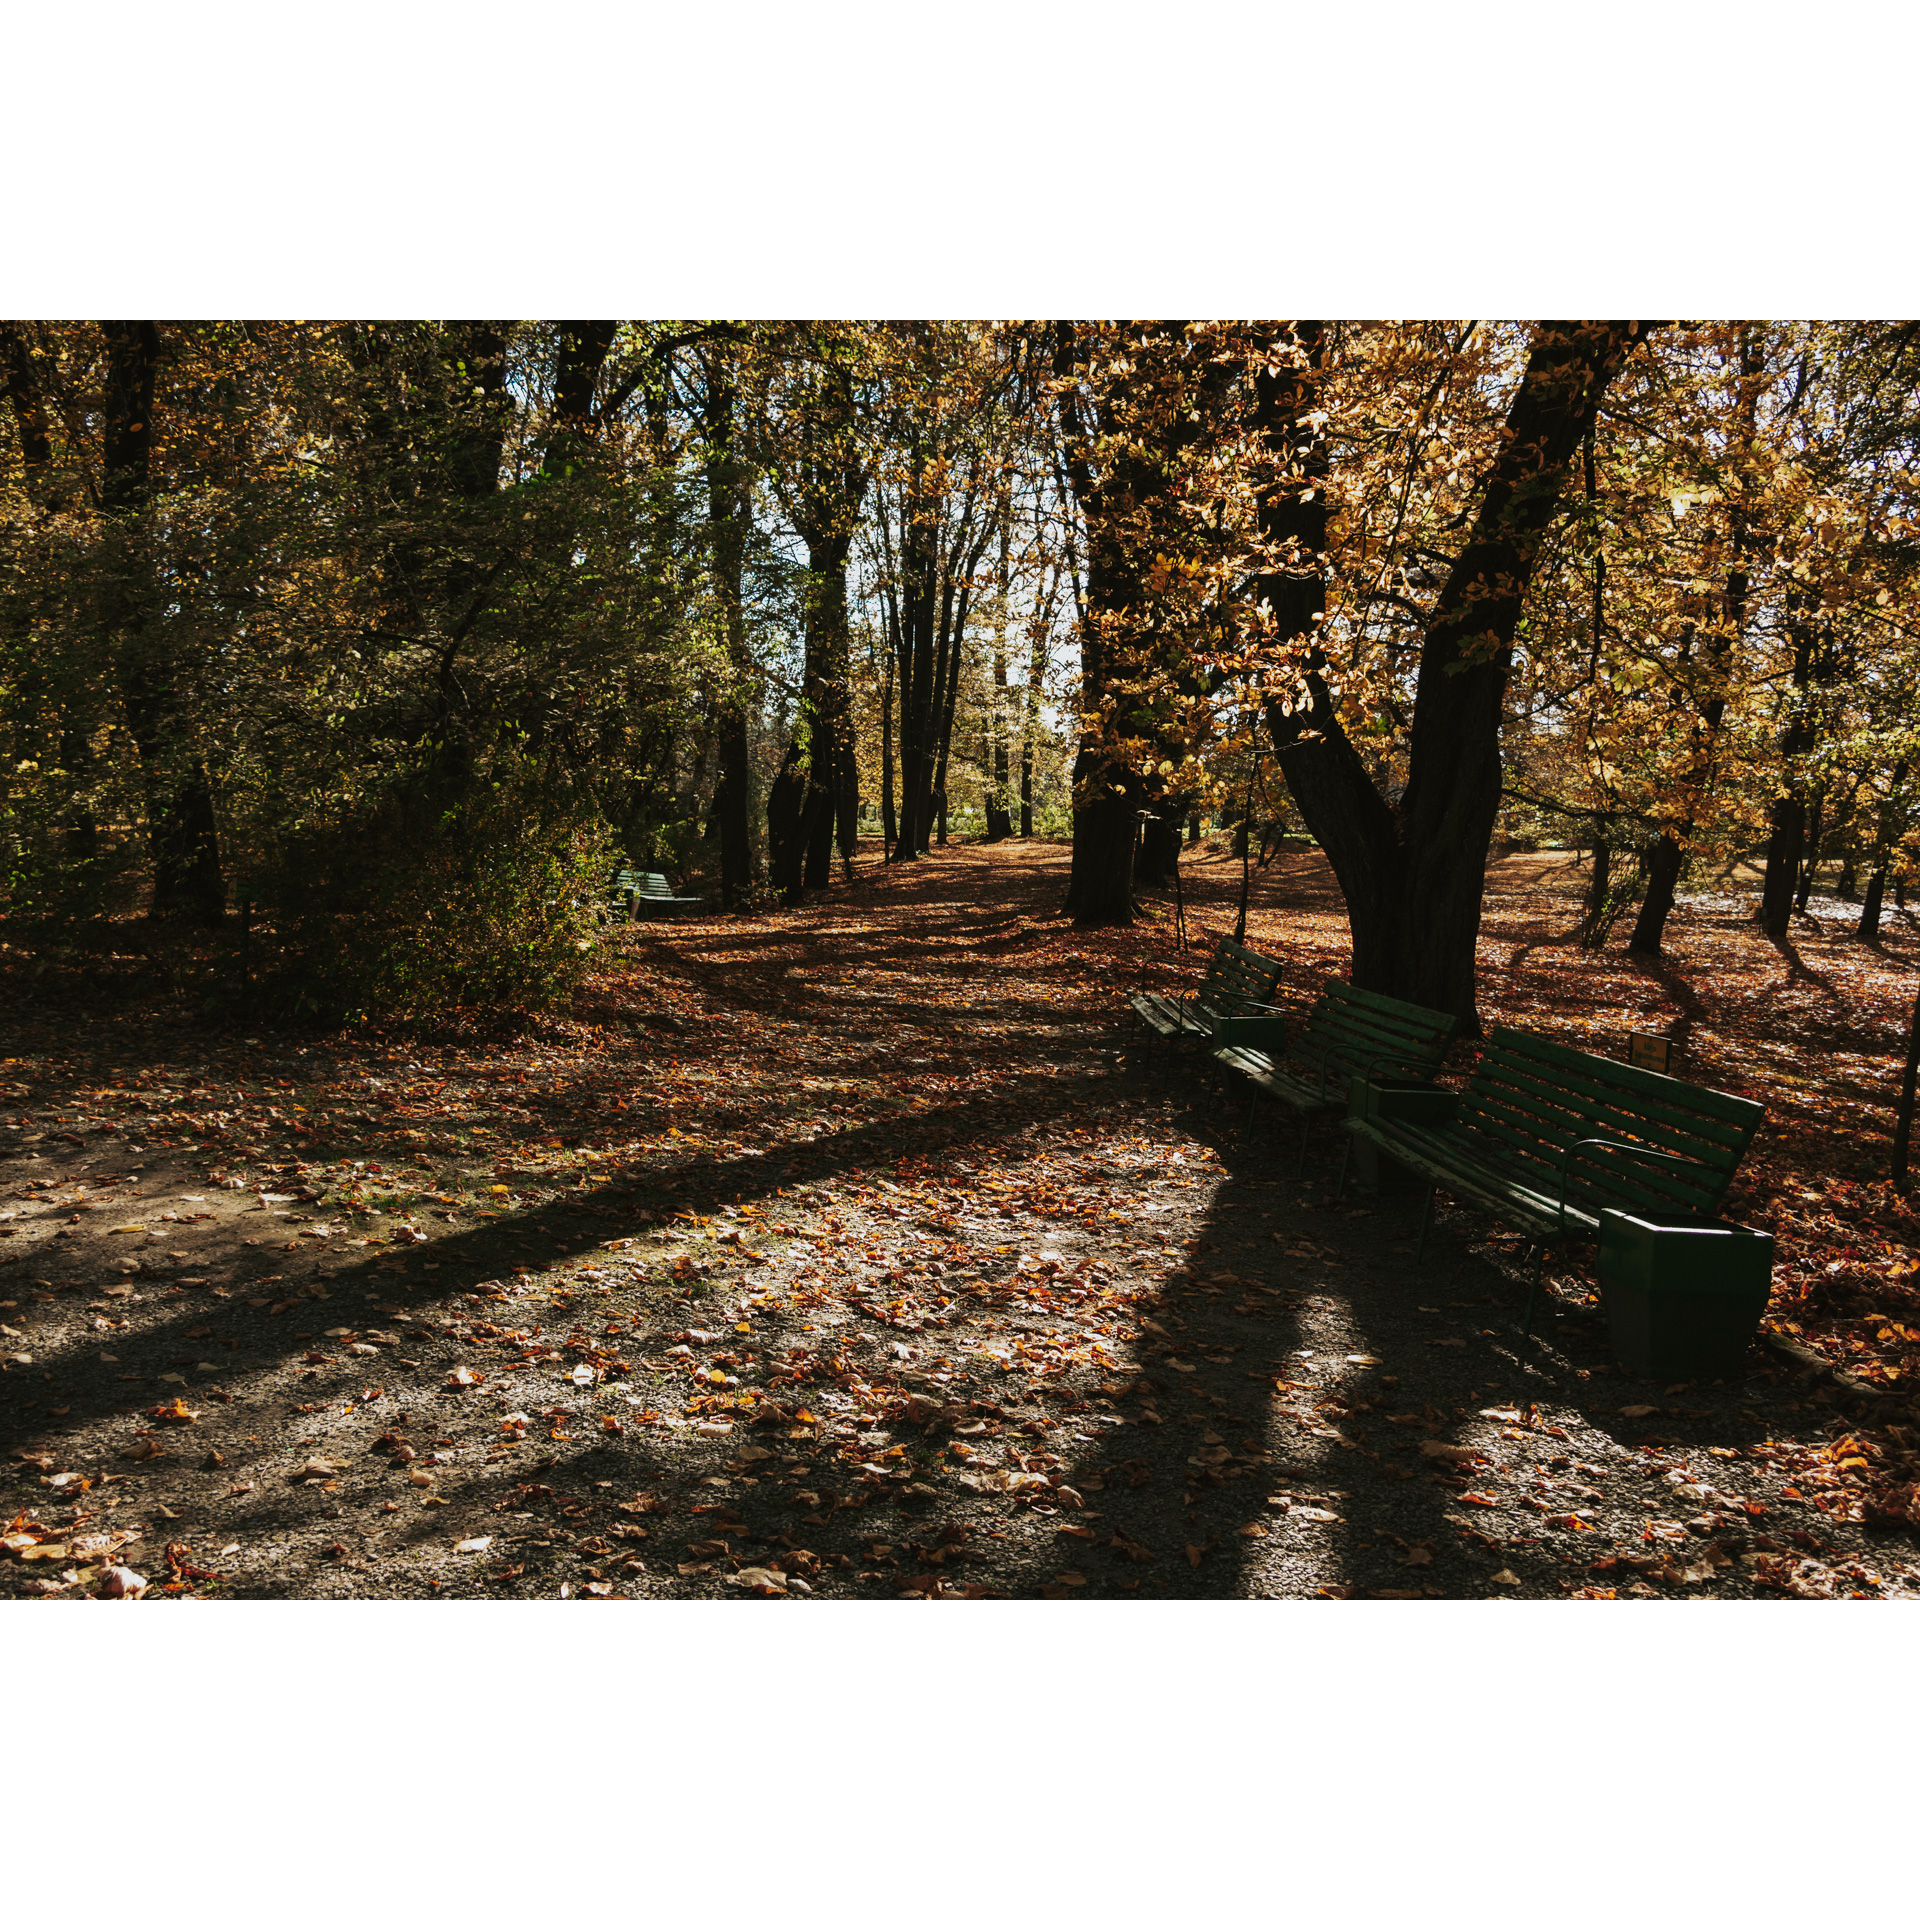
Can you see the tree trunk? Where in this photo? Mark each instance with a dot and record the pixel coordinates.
(949, 702)
(1159, 854)
(889, 825)
(1414, 876)
(1810, 866)
(997, 767)
(727, 510)
(811, 791)
(919, 566)
(1869, 927)
(1599, 885)
(1668, 859)
(584, 346)
(182, 842)
(1787, 837)
(1883, 838)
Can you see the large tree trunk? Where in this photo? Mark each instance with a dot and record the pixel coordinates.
(182, 842)
(1414, 876)
(1108, 791)
(1159, 854)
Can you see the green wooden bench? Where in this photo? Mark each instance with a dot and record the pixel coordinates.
(647, 896)
(1348, 1030)
(1233, 1004)
(1544, 1136)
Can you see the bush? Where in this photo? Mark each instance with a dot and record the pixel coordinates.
(487, 910)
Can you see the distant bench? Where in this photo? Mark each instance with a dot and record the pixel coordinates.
(647, 896)
(1234, 1003)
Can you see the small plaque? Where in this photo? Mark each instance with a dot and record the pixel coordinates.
(1653, 1051)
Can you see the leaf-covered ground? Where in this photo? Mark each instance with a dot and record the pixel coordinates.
(852, 1253)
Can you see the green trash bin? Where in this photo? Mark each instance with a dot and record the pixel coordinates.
(1684, 1292)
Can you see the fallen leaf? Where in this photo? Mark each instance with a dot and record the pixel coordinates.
(758, 1579)
(1506, 1577)
(319, 1467)
(478, 1545)
(1637, 1413)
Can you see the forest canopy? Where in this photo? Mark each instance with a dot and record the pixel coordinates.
(397, 638)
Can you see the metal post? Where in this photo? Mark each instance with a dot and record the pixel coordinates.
(1903, 1113)
(1246, 845)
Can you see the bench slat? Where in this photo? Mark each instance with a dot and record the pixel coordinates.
(1533, 1118)
(1520, 1082)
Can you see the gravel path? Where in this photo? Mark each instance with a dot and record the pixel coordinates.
(1010, 1320)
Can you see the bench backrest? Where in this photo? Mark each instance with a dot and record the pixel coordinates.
(1238, 976)
(650, 886)
(1529, 1098)
(1364, 1025)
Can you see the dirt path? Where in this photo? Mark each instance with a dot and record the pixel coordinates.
(839, 1254)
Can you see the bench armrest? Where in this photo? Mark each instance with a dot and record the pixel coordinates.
(1366, 1062)
(1569, 1154)
(1237, 1006)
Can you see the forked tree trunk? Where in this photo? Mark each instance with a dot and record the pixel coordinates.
(1414, 875)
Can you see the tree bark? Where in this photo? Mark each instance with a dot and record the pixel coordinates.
(1414, 875)
(584, 346)
(1810, 865)
(1665, 865)
(1159, 855)
(824, 500)
(727, 508)
(1883, 837)
(182, 837)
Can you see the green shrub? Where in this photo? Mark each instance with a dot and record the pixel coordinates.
(487, 910)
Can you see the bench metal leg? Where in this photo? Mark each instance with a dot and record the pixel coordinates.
(1426, 1221)
(1306, 1140)
(1346, 1160)
(1533, 1284)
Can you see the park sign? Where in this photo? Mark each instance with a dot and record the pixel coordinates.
(1653, 1051)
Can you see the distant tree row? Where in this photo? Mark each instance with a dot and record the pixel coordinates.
(394, 637)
